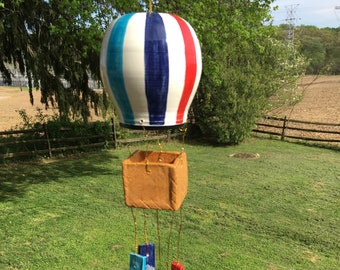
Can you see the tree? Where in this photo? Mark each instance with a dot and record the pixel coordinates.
(56, 44)
(243, 64)
(321, 46)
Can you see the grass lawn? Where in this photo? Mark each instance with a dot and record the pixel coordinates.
(279, 211)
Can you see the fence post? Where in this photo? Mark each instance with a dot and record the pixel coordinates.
(114, 132)
(168, 136)
(283, 128)
(48, 141)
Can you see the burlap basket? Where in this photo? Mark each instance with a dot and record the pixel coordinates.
(155, 179)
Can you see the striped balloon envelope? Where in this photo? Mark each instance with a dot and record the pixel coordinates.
(151, 66)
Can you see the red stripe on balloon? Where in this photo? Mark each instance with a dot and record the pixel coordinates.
(191, 68)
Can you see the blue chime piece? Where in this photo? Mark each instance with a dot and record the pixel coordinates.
(137, 261)
(148, 250)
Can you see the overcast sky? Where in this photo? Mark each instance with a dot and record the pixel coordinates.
(320, 13)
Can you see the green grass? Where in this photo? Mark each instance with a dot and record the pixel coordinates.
(280, 211)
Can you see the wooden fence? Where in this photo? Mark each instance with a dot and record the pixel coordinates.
(39, 141)
(34, 142)
(286, 128)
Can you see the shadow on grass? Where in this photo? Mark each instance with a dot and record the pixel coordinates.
(16, 177)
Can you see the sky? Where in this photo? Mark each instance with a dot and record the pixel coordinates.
(320, 13)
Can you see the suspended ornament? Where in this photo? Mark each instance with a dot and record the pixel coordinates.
(176, 266)
(151, 66)
(137, 262)
(148, 250)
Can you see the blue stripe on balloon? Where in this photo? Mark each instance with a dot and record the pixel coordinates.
(115, 67)
(156, 64)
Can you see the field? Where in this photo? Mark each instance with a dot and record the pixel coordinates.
(274, 212)
(12, 99)
(320, 103)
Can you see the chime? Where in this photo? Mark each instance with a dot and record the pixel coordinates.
(150, 67)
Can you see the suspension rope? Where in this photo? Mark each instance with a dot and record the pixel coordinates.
(150, 6)
(169, 238)
(159, 240)
(179, 232)
(135, 228)
(184, 130)
(145, 229)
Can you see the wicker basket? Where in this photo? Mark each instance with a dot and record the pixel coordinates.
(155, 179)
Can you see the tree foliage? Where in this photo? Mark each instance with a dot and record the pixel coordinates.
(56, 45)
(243, 64)
(321, 46)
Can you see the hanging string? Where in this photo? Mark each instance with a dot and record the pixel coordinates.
(159, 142)
(179, 232)
(145, 136)
(169, 238)
(150, 6)
(135, 228)
(184, 130)
(146, 141)
(159, 240)
(145, 230)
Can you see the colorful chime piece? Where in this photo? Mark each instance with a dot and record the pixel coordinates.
(137, 261)
(155, 179)
(176, 266)
(151, 66)
(148, 250)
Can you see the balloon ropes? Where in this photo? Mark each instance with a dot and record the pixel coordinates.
(151, 67)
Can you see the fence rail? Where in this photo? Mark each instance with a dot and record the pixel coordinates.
(299, 130)
(40, 142)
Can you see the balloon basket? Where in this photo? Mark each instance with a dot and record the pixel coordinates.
(155, 179)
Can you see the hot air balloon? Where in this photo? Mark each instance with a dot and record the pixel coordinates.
(151, 66)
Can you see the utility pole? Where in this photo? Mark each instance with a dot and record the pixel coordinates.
(336, 8)
(291, 19)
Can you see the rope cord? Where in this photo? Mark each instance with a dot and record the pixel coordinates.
(150, 6)
(145, 230)
(159, 241)
(146, 141)
(179, 232)
(146, 137)
(159, 142)
(184, 130)
(135, 228)
(169, 239)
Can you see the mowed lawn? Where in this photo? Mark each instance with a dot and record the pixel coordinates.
(278, 211)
